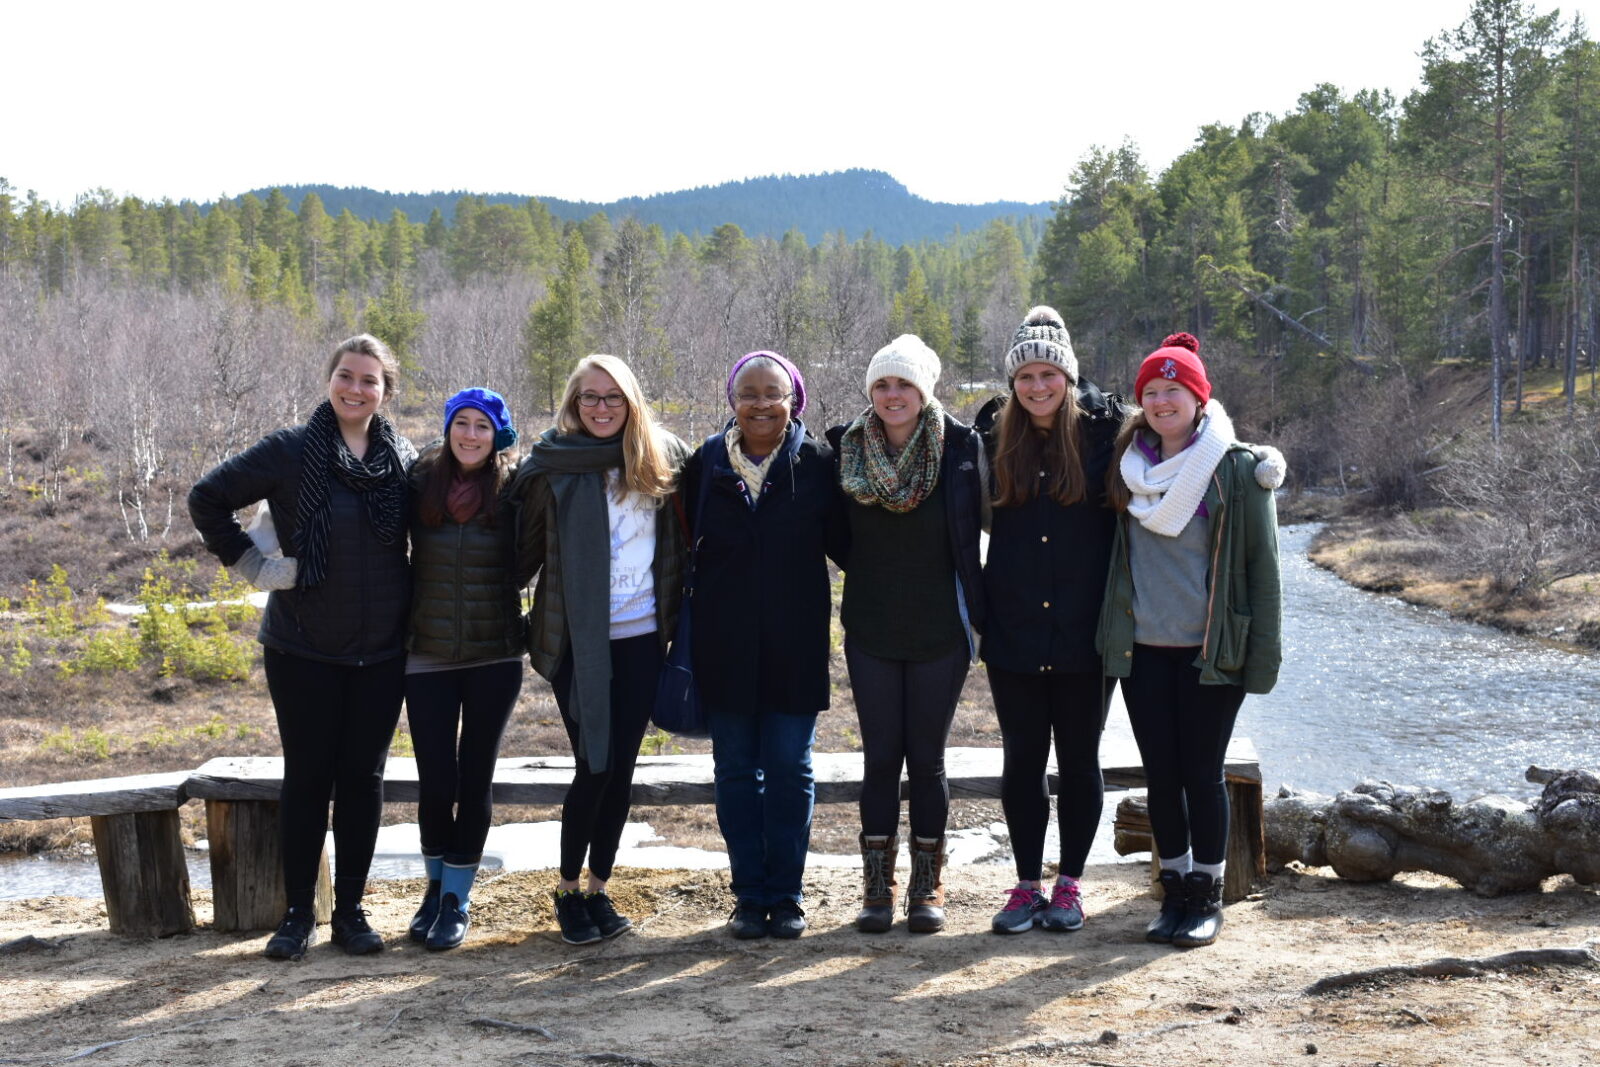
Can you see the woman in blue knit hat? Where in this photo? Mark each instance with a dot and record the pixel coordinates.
(464, 670)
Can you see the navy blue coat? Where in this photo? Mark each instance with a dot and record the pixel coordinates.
(762, 602)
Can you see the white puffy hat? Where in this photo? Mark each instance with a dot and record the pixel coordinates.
(908, 357)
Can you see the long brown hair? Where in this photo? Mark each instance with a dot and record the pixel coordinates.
(1117, 492)
(1021, 452)
(438, 468)
(646, 470)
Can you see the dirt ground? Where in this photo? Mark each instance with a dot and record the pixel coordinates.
(679, 991)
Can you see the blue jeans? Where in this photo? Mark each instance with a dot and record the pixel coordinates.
(765, 793)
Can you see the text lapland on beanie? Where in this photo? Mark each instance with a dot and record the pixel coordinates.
(1042, 338)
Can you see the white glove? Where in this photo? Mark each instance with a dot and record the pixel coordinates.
(264, 573)
(1271, 467)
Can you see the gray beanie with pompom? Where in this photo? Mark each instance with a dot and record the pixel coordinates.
(1042, 338)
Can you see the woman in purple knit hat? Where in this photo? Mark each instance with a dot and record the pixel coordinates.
(771, 517)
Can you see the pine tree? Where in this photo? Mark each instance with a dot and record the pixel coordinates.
(556, 333)
(395, 319)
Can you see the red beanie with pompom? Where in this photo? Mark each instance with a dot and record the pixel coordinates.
(1177, 360)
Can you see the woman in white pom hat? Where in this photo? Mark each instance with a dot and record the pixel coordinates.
(913, 601)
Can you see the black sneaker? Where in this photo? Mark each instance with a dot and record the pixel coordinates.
(604, 914)
(748, 921)
(572, 915)
(294, 935)
(785, 919)
(351, 933)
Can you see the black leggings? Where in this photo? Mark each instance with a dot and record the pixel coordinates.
(455, 776)
(1030, 708)
(596, 807)
(1183, 729)
(336, 723)
(905, 710)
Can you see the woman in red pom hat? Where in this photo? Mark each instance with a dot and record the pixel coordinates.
(1191, 616)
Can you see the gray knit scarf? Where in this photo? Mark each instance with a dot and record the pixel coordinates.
(575, 465)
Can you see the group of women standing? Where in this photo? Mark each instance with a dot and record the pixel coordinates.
(1122, 545)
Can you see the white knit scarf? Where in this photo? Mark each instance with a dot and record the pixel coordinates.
(1166, 495)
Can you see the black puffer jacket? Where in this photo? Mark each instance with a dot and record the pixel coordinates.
(464, 601)
(762, 600)
(357, 615)
(1045, 572)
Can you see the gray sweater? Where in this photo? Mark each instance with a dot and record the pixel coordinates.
(1169, 583)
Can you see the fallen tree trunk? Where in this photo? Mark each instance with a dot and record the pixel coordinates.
(1491, 845)
(1456, 967)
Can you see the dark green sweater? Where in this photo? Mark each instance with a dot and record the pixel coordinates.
(900, 590)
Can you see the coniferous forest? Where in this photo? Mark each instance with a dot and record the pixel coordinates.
(1400, 292)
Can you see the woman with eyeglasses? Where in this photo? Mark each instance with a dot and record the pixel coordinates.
(761, 610)
(595, 524)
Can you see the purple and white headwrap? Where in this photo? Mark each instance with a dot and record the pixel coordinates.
(798, 382)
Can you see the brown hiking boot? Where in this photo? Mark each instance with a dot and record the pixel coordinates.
(925, 895)
(877, 895)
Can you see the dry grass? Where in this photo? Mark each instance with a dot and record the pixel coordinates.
(1401, 555)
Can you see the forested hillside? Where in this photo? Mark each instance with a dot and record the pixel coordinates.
(852, 202)
(1332, 259)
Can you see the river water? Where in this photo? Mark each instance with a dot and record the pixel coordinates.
(1370, 688)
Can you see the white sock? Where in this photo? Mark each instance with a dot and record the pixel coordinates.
(1213, 869)
(1182, 864)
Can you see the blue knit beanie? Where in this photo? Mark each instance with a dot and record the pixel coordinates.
(491, 404)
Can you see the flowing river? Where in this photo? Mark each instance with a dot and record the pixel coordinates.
(1370, 688)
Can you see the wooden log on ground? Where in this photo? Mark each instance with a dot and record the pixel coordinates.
(1246, 864)
(1491, 844)
(247, 889)
(143, 873)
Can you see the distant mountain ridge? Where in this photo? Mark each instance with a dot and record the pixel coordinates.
(853, 201)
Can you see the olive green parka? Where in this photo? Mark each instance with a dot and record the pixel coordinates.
(1244, 606)
(539, 552)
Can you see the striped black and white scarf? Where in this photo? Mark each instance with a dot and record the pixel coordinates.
(379, 478)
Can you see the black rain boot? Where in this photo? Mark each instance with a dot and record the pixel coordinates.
(1202, 917)
(428, 911)
(1174, 906)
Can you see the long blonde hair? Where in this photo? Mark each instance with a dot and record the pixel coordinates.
(645, 467)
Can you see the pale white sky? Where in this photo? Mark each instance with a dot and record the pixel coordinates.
(963, 102)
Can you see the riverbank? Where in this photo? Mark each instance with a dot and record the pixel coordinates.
(679, 991)
(1400, 556)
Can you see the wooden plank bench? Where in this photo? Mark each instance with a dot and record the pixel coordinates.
(136, 842)
(146, 882)
(238, 791)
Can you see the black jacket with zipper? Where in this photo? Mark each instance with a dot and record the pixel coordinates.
(357, 616)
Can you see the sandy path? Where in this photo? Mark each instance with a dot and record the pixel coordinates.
(680, 992)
